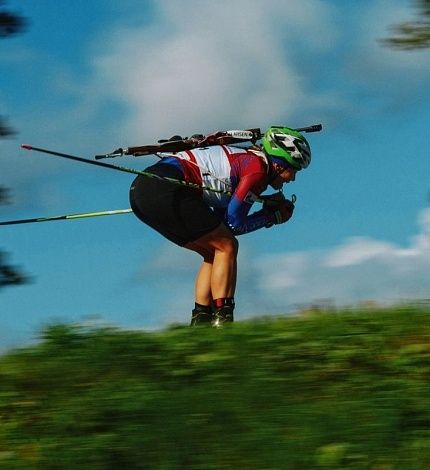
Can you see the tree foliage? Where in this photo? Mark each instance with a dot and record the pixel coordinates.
(5, 129)
(4, 195)
(413, 34)
(340, 390)
(9, 274)
(10, 24)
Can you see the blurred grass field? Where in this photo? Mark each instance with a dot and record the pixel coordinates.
(326, 390)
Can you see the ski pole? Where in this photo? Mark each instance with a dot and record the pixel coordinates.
(87, 215)
(136, 172)
(131, 170)
(80, 159)
(125, 169)
(83, 215)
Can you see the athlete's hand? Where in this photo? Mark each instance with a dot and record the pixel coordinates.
(272, 201)
(279, 209)
(284, 212)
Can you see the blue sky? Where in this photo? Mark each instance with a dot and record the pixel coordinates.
(88, 77)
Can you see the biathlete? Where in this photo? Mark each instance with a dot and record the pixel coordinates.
(208, 222)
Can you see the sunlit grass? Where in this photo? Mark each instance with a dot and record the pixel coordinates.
(341, 389)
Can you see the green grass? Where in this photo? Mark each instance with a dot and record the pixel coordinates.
(340, 390)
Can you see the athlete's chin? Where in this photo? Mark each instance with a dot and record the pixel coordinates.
(276, 185)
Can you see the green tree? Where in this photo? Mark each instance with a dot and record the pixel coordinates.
(413, 34)
(10, 24)
(5, 130)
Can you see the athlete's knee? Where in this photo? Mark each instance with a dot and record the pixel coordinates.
(228, 245)
(207, 253)
(219, 240)
(208, 256)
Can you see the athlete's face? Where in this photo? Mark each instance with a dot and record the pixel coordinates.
(285, 177)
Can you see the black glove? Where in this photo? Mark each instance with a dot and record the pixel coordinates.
(272, 202)
(279, 209)
(284, 212)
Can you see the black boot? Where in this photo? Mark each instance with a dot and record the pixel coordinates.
(222, 315)
(201, 315)
(223, 311)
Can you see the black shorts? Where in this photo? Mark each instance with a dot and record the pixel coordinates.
(177, 212)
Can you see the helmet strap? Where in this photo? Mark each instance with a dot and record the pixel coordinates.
(274, 170)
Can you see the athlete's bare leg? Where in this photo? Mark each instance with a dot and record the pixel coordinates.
(217, 275)
(203, 292)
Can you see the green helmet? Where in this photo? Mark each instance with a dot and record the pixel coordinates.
(288, 145)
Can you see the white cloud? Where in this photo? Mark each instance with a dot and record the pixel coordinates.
(202, 67)
(358, 250)
(197, 67)
(359, 269)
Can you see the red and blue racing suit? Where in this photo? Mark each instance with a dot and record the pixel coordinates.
(240, 175)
